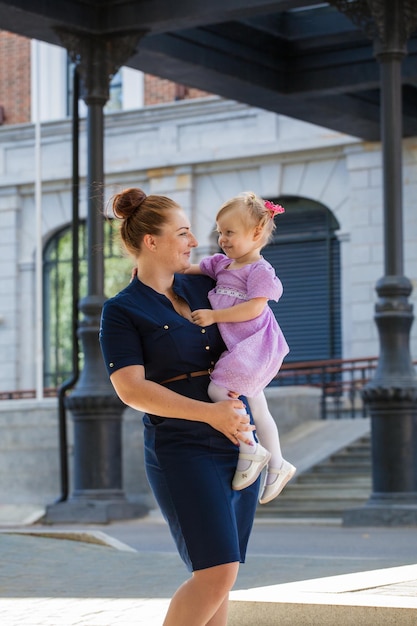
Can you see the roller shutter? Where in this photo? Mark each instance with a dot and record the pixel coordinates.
(305, 254)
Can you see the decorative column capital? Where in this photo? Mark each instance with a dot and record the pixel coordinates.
(98, 58)
(388, 23)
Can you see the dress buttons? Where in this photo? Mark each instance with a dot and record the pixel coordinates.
(166, 326)
(207, 347)
(203, 330)
(111, 364)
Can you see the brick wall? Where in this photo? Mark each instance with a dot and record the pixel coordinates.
(15, 77)
(159, 90)
(15, 82)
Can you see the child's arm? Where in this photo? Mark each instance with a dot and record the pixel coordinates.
(193, 269)
(239, 313)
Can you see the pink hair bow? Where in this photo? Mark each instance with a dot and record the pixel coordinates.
(275, 209)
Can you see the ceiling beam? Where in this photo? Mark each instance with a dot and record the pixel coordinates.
(35, 18)
(339, 112)
(299, 58)
(158, 16)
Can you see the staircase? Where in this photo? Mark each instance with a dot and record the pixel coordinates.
(340, 482)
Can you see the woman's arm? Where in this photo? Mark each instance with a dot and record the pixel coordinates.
(239, 313)
(144, 395)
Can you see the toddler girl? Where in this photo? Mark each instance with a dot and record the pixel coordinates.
(255, 344)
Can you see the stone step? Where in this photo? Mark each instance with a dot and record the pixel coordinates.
(311, 509)
(360, 452)
(345, 467)
(354, 450)
(338, 483)
(307, 484)
(300, 492)
(354, 453)
(340, 478)
(324, 492)
(314, 498)
(376, 597)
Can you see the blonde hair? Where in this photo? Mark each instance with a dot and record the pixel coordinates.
(253, 212)
(140, 215)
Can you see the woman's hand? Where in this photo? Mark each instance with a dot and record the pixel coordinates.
(144, 395)
(225, 418)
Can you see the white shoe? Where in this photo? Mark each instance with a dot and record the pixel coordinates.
(258, 460)
(283, 475)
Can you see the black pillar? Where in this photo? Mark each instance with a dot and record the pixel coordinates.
(97, 490)
(392, 394)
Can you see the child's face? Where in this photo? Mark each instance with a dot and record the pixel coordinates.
(236, 239)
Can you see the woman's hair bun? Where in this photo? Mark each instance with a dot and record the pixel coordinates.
(127, 202)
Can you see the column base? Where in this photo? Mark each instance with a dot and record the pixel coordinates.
(383, 513)
(92, 511)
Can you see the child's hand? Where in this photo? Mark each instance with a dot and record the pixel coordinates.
(203, 317)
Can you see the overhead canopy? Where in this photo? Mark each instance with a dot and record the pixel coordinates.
(295, 57)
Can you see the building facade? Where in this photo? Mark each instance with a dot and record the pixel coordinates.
(200, 150)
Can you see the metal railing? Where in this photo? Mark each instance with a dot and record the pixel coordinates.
(27, 394)
(340, 380)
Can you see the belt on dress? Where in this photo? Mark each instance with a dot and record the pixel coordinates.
(185, 376)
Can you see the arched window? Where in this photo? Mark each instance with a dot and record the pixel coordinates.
(57, 294)
(305, 253)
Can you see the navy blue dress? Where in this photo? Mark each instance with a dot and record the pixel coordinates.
(189, 465)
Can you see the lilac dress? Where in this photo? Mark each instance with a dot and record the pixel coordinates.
(256, 348)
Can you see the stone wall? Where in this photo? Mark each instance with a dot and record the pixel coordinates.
(29, 449)
(200, 152)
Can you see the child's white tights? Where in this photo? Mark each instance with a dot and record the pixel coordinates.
(266, 428)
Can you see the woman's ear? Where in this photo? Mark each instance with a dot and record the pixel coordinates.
(149, 242)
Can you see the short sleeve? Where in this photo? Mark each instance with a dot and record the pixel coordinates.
(119, 339)
(264, 283)
(210, 265)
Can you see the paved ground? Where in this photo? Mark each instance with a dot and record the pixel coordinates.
(46, 581)
(297, 573)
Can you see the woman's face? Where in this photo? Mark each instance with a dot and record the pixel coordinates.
(175, 243)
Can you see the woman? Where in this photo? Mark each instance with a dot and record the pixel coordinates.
(159, 363)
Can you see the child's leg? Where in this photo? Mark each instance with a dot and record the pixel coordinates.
(217, 394)
(252, 458)
(279, 470)
(266, 428)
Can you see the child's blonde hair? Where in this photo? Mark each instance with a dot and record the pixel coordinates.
(254, 212)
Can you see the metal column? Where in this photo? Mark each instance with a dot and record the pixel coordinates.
(97, 493)
(392, 394)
